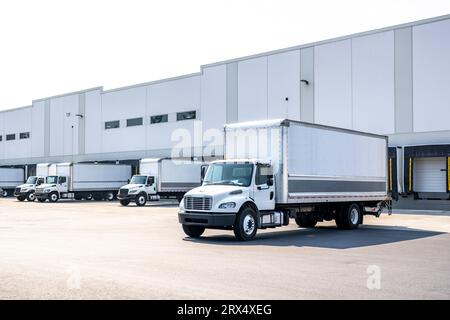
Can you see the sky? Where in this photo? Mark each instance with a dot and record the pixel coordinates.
(51, 47)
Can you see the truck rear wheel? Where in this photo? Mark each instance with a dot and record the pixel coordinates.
(305, 221)
(110, 196)
(125, 202)
(53, 197)
(31, 197)
(349, 217)
(245, 226)
(193, 231)
(21, 198)
(141, 199)
(5, 193)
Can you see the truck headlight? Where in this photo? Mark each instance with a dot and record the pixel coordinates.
(46, 190)
(227, 205)
(133, 191)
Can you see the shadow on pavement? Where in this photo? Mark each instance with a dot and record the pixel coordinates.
(323, 237)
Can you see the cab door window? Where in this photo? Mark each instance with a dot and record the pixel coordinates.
(264, 175)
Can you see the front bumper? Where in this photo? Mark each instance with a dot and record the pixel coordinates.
(126, 196)
(207, 219)
(21, 194)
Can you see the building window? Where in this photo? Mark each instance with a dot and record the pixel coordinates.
(10, 137)
(1, 138)
(159, 119)
(134, 122)
(24, 135)
(112, 124)
(187, 115)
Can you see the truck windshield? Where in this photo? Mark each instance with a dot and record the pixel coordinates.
(31, 180)
(138, 180)
(239, 174)
(52, 179)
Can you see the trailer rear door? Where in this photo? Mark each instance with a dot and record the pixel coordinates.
(430, 174)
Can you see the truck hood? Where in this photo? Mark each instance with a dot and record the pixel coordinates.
(26, 186)
(132, 186)
(216, 190)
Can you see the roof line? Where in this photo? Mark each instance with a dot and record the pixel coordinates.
(68, 94)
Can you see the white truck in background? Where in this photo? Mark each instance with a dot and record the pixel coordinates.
(9, 179)
(280, 169)
(83, 181)
(162, 177)
(26, 191)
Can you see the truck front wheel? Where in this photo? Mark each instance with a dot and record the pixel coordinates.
(141, 200)
(349, 217)
(245, 226)
(305, 221)
(41, 200)
(31, 197)
(21, 198)
(53, 197)
(193, 231)
(125, 202)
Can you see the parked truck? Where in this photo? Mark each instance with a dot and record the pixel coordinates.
(83, 181)
(9, 179)
(281, 169)
(162, 177)
(27, 191)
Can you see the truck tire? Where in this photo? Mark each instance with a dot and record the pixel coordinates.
(77, 197)
(141, 199)
(125, 202)
(41, 200)
(88, 196)
(245, 226)
(110, 196)
(5, 193)
(304, 221)
(31, 197)
(21, 198)
(53, 197)
(349, 217)
(193, 231)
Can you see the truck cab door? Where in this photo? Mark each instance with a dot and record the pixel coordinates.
(264, 189)
(150, 186)
(62, 184)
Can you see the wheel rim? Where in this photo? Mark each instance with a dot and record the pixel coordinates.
(31, 196)
(110, 196)
(354, 216)
(89, 197)
(249, 224)
(54, 197)
(141, 200)
(5, 193)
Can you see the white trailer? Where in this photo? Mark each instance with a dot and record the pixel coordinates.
(280, 169)
(83, 181)
(9, 179)
(162, 177)
(27, 190)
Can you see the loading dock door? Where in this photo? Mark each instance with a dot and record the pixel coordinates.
(430, 175)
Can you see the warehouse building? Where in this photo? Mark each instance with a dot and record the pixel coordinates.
(393, 81)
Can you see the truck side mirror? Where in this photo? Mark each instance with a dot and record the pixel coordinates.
(128, 181)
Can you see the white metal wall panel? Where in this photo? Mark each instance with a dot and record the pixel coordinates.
(17, 121)
(213, 107)
(93, 122)
(180, 171)
(37, 129)
(149, 167)
(284, 82)
(11, 177)
(431, 76)
(121, 105)
(333, 84)
(252, 89)
(64, 125)
(373, 83)
(430, 175)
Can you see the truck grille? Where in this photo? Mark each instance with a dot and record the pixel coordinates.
(123, 192)
(39, 190)
(17, 190)
(197, 203)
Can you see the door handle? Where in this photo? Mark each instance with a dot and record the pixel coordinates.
(262, 188)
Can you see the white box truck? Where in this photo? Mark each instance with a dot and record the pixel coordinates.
(26, 191)
(280, 169)
(83, 181)
(162, 177)
(9, 179)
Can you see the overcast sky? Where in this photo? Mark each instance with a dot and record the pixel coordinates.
(49, 47)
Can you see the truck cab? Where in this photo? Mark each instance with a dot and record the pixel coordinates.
(27, 190)
(140, 189)
(52, 189)
(235, 194)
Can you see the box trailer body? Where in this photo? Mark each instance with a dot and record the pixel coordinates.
(162, 177)
(10, 178)
(281, 169)
(83, 181)
(27, 190)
